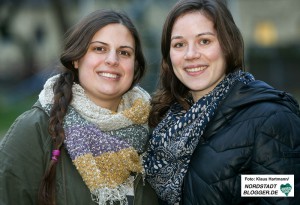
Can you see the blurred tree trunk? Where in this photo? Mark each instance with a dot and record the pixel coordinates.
(61, 12)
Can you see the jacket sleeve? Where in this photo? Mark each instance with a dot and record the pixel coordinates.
(21, 158)
(277, 151)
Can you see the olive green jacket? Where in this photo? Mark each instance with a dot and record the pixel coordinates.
(25, 152)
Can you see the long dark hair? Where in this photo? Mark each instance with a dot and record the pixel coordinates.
(77, 42)
(170, 89)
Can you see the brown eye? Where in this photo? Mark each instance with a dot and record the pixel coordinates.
(178, 45)
(99, 49)
(124, 53)
(204, 42)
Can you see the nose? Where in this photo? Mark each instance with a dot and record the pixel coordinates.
(112, 58)
(192, 52)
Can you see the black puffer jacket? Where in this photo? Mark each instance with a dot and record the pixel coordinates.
(256, 130)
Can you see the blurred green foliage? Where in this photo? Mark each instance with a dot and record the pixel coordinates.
(9, 111)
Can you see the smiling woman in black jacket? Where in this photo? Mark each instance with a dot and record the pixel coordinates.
(213, 122)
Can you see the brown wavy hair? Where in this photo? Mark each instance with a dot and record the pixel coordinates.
(170, 89)
(77, 42)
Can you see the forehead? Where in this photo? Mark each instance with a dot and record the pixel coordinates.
(114, 32)
(193, 20)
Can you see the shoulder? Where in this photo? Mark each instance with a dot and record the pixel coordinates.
(260, 98)
(268, 109)
(36, 116)
(274, 118)
(257, 107)
(27, 127)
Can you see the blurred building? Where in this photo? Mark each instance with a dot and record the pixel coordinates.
(31, 33)
(271, 30)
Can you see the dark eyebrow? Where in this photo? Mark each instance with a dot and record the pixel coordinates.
(127, 47)
(98, 42)
(206, 33)
(200, 34)
(107, 45)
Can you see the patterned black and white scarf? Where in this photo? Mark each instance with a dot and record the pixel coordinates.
(175, 138)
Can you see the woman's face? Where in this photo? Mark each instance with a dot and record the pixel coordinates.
(106, 70)
(196, 55)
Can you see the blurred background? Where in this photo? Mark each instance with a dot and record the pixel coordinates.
(32, 32)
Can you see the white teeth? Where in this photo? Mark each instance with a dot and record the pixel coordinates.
(196, 69)
(108, 75)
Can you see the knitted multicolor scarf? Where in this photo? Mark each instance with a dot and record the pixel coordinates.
(104, 146)
(175, 138)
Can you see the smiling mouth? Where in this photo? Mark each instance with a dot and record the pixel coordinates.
(197, 69)
(109, 75)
